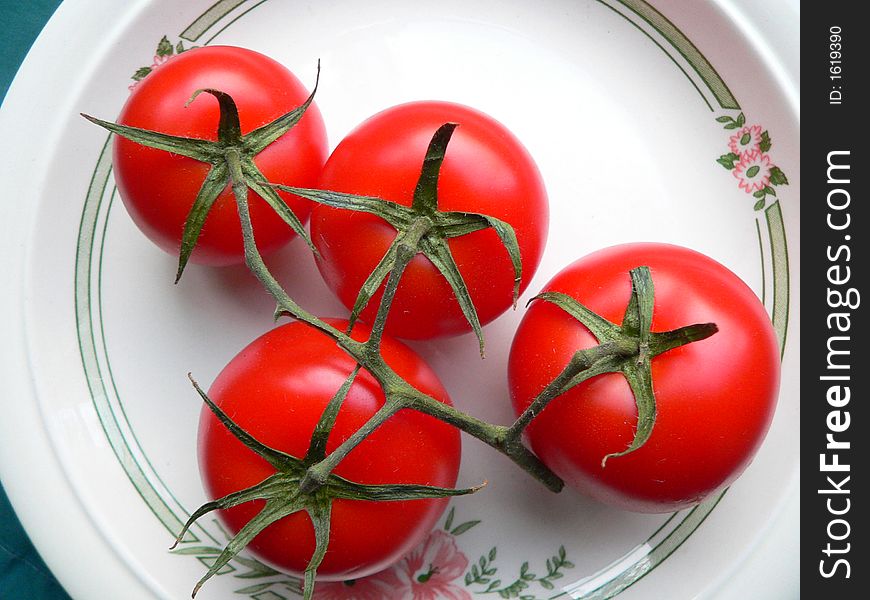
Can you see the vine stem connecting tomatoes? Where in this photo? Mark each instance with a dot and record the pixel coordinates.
(630, 347)
(309, 484)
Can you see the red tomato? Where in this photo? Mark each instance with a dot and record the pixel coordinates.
(486, 170)
(158, 188)
(715, 397)
(276, 389)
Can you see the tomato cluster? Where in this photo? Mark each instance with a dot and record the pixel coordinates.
(644, 375)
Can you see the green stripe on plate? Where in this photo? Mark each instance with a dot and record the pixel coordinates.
(686, 49)
(779, 248)
(207, 19)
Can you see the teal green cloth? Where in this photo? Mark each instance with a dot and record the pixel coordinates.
(22, 22)
(23, 575)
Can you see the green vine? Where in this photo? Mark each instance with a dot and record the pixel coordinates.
(308, 484)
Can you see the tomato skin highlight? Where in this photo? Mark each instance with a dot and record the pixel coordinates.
(276, 389)
(486, 170)
(158, 188)
(715, 397)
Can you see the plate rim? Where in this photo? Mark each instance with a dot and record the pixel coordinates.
(14, 89)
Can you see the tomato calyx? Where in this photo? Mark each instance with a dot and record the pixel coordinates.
(231, 144)
(424, 229)
(399, 393)
(290, 490)
(627, 349)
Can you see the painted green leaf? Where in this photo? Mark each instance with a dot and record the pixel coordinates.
(777, 177)
(759, 194)
(179, 47)
(257, 569)
(270, 595)
(141, 73)
(460, 529)
(732, 126)
(724, 119)
(198, 551)
(216, 565)
(728, 160)
(760, 204)
(164, 48)
(745, 139)
(449, 522)
(769, 190)
(741, 120)
(253, 589)
(765, 143)
(492, 554)
(546, 584)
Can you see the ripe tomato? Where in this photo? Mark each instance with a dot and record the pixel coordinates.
(715, 397)
(158, 188)
(486, 170)
(276, 389)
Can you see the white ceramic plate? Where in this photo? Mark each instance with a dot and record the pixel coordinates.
(625, 109)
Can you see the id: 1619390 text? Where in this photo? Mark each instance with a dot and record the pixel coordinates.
(835, 64)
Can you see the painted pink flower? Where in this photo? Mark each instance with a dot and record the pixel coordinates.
(747, 139)
(753, 171)
(158, 60)
(380, 586)
(428, 571)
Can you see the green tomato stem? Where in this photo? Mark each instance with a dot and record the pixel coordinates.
(585, 364)
(495, 436)
(258, 267)
(406, 249)
(367, 355)
(318, 474)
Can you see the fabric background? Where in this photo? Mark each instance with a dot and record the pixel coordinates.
(23, 574)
